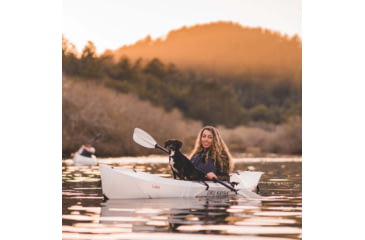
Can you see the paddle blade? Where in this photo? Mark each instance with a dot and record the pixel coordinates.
(98, 136)
(248, 194)
(91, 141)
(144, 139)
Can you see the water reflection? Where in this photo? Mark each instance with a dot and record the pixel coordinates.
(168, 215)
(87, 216)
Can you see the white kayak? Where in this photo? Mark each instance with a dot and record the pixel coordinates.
(80, 160)
(122, 183)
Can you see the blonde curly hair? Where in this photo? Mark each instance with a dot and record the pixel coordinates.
(219, 151)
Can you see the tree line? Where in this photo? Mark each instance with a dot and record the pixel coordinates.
(212, 98)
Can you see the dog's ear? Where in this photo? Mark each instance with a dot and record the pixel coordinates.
(167, 143)
(178, 143)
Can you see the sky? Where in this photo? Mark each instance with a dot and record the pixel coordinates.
(110, 24)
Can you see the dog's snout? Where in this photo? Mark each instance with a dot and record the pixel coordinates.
(167, 144)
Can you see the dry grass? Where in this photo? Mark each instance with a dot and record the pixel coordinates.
(89, 108)
(283, 139)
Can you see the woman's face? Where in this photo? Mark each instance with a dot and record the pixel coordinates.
(206, 139)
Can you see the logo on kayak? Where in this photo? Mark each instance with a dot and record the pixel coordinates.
(155, 186)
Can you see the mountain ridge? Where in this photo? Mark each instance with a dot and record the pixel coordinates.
(224, 48)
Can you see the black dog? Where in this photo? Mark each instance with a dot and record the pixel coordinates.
(181, 166)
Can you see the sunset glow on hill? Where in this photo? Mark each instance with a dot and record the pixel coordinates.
(113, 24)
(223, 47)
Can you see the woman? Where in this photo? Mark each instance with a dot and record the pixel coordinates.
(211, 155)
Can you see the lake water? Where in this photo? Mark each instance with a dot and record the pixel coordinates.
(85, 214)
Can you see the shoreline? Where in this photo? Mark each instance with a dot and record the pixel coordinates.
(164, 159)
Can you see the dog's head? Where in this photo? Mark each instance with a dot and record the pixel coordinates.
(173, 145)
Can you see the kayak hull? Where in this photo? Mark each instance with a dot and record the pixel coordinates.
(80, 160)
(121, 183)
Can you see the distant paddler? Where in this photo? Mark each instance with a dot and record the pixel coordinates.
(86, 150)
(86, 153)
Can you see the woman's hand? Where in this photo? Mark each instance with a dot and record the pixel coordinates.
(210, 175)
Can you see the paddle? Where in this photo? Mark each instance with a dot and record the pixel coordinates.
(99, 135)
(248, 194)
(144, 139)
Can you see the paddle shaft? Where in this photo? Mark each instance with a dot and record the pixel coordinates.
(224, 184)
(158, 146)
(99, 135)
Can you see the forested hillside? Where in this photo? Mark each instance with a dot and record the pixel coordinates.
(89, 108)
(211, 98)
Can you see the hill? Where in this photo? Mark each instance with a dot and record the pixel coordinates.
(224, 48)
(211, 98)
